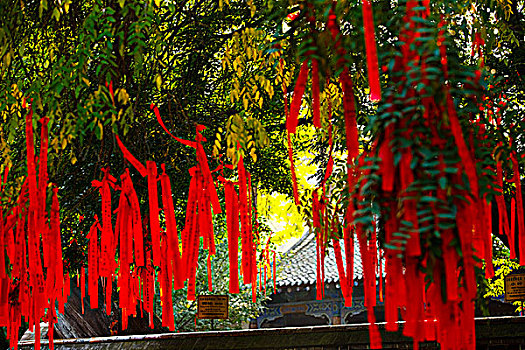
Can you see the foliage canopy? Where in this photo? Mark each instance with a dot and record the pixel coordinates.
(445, 138)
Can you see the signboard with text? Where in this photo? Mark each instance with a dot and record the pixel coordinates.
(212, 306)
(515, 287)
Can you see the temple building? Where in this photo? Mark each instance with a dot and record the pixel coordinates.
(295, 302)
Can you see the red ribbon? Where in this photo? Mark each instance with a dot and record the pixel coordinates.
(106, 239)
(93, 267)
(246, 225)
(519, 208)
(134, 161)
(315, 94)
(42, 186)
(171, 230)
(348, 237)
(352, 142)
(154, 222)
(295, 106)
(232, 222)
(159, 119)
(371, 52)
(292, 169)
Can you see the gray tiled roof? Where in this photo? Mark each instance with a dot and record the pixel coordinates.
(298, 264)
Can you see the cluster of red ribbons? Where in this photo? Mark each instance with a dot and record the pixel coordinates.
(136, 265)
(292, 116)
(429, 314)
(268, 262)
(321, 221)
(30, 235)
(202, 198)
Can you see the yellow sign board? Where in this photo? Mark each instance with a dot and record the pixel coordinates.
(212, 306)
(515, 287)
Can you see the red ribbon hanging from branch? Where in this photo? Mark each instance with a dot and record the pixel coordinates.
(134, 161)
(519, 207)
(246, 225)
(371, 51)
(56, 250)
(232, 223)
(93, 266)
(171, 231)
(106, 239)
(292, 119)
(154, 222)
(315, 94)
(292, 169)
(42, 187)
(290, 124)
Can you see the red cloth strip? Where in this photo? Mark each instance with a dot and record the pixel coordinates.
(371, 52)
(208, 267)
(292, 169)
(513, 221)
(352, 142)
(106, 240)
(159, 119)
(154, 222)
(341, 269)
(134, 161)
(315, 94)
(519, 207)
(295, 106)
(502, 211)
(246, 232)
(82, 286)
(348, 238)
(93, 268)
(135, 222)
(42, 185)
(171, 229)
(232, 222)
(3, 273)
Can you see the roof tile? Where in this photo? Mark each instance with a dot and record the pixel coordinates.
(298, 264)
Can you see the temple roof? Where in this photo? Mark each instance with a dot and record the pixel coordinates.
(298, 264)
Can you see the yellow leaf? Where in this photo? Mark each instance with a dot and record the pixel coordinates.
(54, 144)
(123, 96)
(157, 2)
(7, 59)
(56, 14)
(158, 80)
(101, 129)
(39, 103)
(73, 160)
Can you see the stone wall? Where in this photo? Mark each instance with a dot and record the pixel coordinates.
(491, 333)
